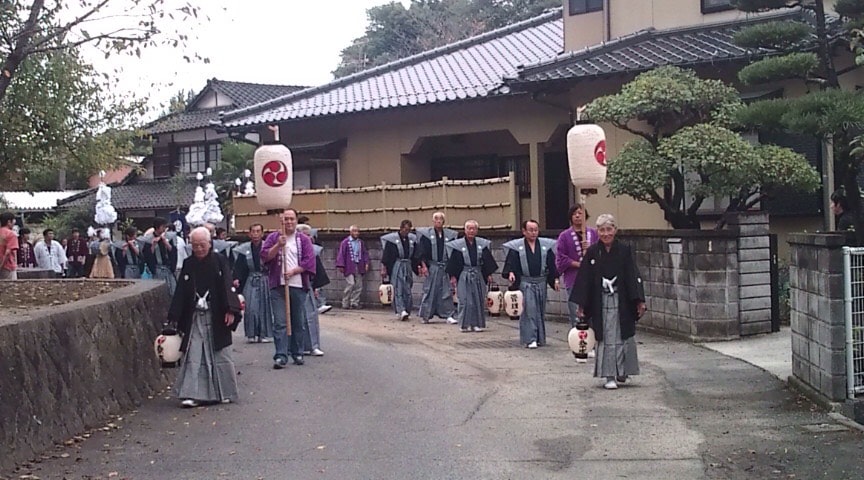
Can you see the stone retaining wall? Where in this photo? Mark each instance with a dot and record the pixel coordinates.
(67, 368)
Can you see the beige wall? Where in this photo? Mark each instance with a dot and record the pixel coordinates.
(213, 100)
(629, 16)
(381, 145)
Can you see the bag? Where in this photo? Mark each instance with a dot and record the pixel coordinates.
(146, 275)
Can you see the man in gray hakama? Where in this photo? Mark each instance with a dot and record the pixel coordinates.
(160, 254)
(250, 277)
(530, 264)
(399, 264)
(432, 255)
(312, 334)
(610, 295)
(204, 308)
(470, 266)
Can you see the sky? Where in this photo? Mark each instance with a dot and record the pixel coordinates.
(291, 42)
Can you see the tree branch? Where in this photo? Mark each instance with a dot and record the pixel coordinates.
(62, 31)
(19, 51)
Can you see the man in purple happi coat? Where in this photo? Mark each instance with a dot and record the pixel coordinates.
(353, 262)
(298, 255)
(569, 250)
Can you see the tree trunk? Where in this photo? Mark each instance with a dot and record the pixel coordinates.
(682, 221)
(19, 51)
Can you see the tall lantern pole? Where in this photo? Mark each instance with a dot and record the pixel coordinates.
(274, 184)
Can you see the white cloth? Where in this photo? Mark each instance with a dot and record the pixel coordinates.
(52, 259)
(291, 261)
(181, 252)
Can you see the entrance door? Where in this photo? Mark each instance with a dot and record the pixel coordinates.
(557, 191)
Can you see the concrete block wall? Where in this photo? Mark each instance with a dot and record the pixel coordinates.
(754, 264)
(691, 282)
(67, 368)
(817, 312)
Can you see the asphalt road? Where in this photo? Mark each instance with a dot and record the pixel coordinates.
(400, 400)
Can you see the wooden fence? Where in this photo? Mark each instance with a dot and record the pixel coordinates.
(492, 202)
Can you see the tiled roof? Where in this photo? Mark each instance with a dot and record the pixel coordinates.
(645, 50)
(243, 94)
(35, 201)
(470, 68)
(141, 195)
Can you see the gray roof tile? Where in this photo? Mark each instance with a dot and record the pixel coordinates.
(243, 94)
(141, 195)
(466, 69)
(645, 50)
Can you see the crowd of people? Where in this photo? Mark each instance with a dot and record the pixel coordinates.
(205, 276)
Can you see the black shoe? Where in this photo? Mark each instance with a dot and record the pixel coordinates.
(298, 360)
(279, 363)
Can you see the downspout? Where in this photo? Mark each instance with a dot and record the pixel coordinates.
(607, 17)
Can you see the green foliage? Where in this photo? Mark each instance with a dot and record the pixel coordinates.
(773, 35)
(823, 113)
(667, 99)
(63, 222)
(849, 8)
(57, 114)
(638, 171)
(236, 158)
(395, 32)
(761, 5)
(687, 146)
(794, 65)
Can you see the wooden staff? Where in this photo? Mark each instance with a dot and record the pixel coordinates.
(285, 277)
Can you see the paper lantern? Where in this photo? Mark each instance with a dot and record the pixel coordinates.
(581, 340)
(495, 301)
(385, 293)
(513, 303)
(274, 177)
(586, 155)
(167, 347)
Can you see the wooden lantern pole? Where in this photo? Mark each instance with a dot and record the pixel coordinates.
(285, 277)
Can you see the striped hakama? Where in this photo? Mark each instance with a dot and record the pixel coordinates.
(205, 375)
(615, 358)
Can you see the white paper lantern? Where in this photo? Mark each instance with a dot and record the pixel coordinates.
(385, 293)
(586, 154)
(274, 177)
(513, 303)
(495, 301)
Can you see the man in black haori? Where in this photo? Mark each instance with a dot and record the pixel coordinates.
(530, 266)
(432, 255)
(250, 277)
(399, 264)
(205, 309)
(610, 295)
(470, 268)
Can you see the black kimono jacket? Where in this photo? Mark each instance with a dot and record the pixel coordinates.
(588, 291)
(391, 254)
(210, 273)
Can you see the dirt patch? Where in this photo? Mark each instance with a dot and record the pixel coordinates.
(22, 295)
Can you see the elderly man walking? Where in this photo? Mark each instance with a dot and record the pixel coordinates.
(530, 266)
(399, 264)
(206, 309)
(250, 277)
(470, 267)
(432, 254)
(352, 261)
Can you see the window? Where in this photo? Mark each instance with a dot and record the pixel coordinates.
(584, 6)
(314, 178)
(196, 158)
(487, 166)
(711, 6)
(193, 159)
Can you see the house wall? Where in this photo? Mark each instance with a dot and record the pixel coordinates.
(212, 100)
(630, 16)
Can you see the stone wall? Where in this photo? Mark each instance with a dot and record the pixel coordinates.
(67, 368)
(817, 313)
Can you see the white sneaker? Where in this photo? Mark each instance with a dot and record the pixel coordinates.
(189, 403)
(452, 321)
(478, 329)
(610, 385)
(404, 315)
(316, 352)
(592, 354)
(532, 345)
(324, 309)
(266, 340)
